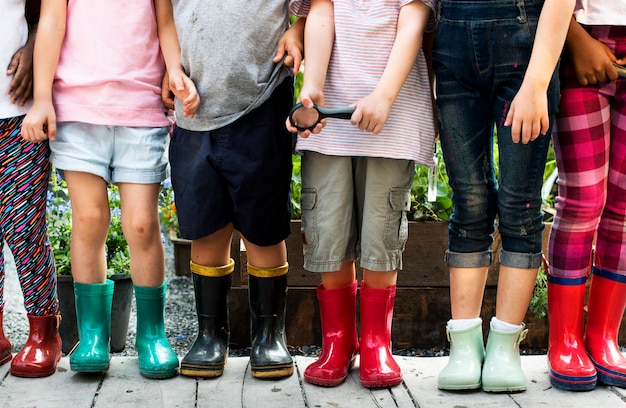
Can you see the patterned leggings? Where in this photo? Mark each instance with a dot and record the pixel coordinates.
(24, 174)
(590, 145)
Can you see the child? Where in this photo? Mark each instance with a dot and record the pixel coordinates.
(24, 172)
(98, 71)
(231, 169)
(356, 184)
(494, 61)
(590, 146)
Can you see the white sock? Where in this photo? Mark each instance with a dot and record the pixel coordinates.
(504, 326)
(462, 324)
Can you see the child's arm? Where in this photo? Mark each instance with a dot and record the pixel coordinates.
(319, 35)
(40, 123)
(528, 114)
(372, 111)
(291, 46)
(21, 65)
(179, 83)
(591, 59)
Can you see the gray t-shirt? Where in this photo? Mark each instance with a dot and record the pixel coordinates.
(227, 50)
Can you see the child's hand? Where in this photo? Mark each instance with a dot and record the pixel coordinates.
(185, 90)
(371, 113)
(167, 96)
(528, 115)
(21, 67)
(592, 61)
(291, 46)
(40, 123)
(309, 96)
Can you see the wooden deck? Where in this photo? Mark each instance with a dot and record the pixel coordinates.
(122, 386)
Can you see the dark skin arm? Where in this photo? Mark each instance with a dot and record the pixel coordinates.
(21, 65)
(592, 60)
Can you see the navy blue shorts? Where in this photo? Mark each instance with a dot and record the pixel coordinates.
(240, 173)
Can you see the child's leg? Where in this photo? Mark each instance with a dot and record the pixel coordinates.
(140, 222)
(24, 176)
(267, 293)
(90, 226)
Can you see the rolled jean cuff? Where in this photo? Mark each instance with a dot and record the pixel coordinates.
(468, 260)
(519, 260)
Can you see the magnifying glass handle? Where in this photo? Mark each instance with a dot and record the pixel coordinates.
(621, 69)
(338, 113)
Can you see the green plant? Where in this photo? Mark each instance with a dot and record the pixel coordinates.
(167, 208)
(59, 223)
(539, 301)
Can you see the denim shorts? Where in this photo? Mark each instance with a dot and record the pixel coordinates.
(238, 174)
(480, 55)
(354, 208)
(118, 154)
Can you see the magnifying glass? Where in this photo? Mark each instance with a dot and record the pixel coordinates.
(621, 69)
(307, 118)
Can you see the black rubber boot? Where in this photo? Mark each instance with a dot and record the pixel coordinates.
(269, 357)
(209, 352)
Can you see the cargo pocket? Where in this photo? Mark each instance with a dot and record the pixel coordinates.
(308, 230)
(397, 228)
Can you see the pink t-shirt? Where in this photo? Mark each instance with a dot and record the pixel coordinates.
(110, 68)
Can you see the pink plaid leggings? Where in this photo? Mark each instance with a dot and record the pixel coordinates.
(590, 146)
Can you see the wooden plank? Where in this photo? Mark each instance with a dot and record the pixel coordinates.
(420, 376)
(259, 393)
(349, 394)
(124, 386)
(541, 391)
(50, 392)
(225, 391)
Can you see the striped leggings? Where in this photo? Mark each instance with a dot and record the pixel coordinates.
(24, 174)
(590, 146)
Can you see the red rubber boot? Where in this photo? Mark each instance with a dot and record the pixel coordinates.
(42, 351)
(607, 301)
(5, 345)
(377, 366)
(340, 342)
(570, 366)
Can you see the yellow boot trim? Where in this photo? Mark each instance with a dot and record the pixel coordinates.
(212, 271)
(268, 272)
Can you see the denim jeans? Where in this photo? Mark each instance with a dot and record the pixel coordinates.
(481, 52)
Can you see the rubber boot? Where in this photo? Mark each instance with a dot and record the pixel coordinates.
(340, 342)
(502, 369)
(42, 351)
(607, 300)
(93, 317)
(209, 352)
(377, 365)
(467, 352)
(5, 344)
(267, 292)
(155, 356)
(570, 366)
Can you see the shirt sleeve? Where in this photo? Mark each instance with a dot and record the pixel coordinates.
(299, 8)
(432, 5)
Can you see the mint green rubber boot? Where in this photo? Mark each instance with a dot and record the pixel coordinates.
(93, 316)
(467, 351)
(156, 357)
(502, 371)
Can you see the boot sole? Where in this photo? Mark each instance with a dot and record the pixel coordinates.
(89, 368)
(324, 382)
(159, 375)
(201, 371)
(392, 382)
(273, 371)
(572, 383)
(459, 387)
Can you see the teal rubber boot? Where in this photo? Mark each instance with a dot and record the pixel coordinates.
(502, 371)
(93, 316)
(467, 352)
(157, 359)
